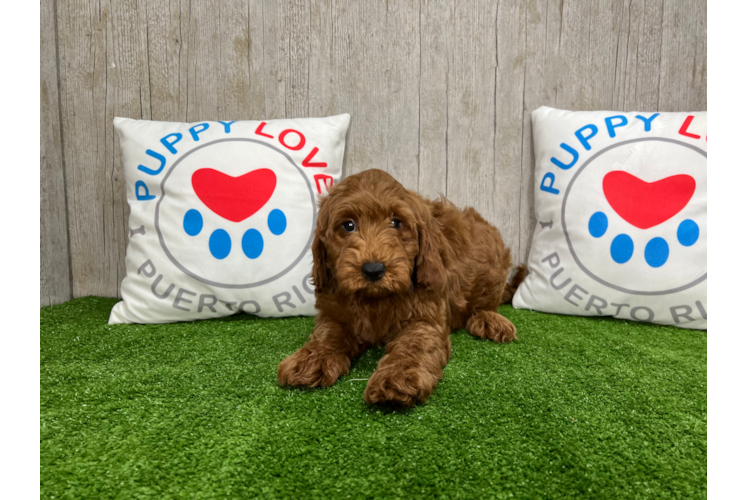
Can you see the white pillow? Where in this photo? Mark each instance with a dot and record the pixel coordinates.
(620, 200)
(222, 215)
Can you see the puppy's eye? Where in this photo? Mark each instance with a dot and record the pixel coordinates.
(395, 223)
(349, 226)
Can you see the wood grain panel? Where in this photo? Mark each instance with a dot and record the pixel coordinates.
(54, 266)
(440, 94)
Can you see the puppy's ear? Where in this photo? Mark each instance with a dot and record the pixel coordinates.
(320, 269)
(431, 272)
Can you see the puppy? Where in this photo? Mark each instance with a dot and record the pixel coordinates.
(391, 267)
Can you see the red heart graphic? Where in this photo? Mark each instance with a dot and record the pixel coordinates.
(647, 204)
(234, 198)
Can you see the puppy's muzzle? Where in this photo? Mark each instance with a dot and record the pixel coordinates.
(373, 271)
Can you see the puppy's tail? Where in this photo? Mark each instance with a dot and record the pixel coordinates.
(511, 287)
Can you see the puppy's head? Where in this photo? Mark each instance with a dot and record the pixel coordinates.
(375, 238)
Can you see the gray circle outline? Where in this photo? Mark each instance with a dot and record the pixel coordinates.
(566, 233)
(224, 285)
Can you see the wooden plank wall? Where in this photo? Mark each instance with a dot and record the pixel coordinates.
(440, 93)
(54, 272)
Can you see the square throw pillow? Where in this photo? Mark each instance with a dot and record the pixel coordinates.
(222, 215)
(620, 200)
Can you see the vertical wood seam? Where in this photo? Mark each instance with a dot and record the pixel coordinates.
(106, 100)
(545, 35)
(287, 76)
(420, 71)
(636, 66)
(615, 67)
(308, 59)
(148, 63)
(495, 89)
(659, 69)
(249, 50)
(220, 104)
(561, 25)
(518, 257)
(264, 94)
(446, 135)
(187, 85)
(626, 62)
(111, 176)
(446, 128)
(62, 152)
(179, 63)
(560, 38)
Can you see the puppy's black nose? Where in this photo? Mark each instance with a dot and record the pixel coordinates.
(373, 270)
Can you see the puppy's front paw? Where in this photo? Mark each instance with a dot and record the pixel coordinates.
(491, 325)
(306, 368)
(390, 386)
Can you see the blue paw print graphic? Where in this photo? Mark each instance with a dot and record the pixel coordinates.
(219, 242)
(656, 251)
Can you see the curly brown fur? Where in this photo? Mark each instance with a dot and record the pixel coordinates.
(445, 269)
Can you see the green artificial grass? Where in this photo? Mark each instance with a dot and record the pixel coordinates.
(577, 407)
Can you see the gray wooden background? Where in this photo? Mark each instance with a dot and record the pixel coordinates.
(440, 94)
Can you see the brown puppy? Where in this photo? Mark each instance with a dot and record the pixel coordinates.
(391, 267)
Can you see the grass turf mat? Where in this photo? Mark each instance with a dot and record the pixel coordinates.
(577, 407)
